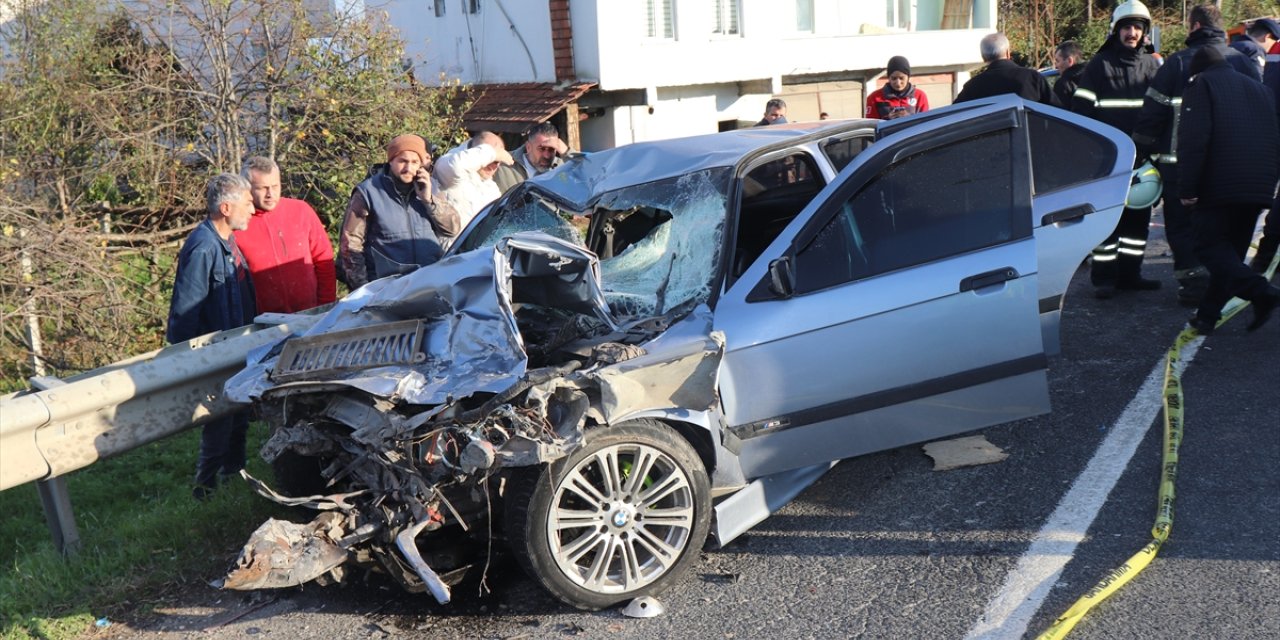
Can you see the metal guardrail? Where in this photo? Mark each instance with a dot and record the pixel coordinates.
(58, 428)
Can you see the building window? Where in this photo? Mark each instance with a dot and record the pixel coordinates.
(661, 19)
(440, 8)
(898, 13)
(804, 15)
(726, 19)
(473, 6)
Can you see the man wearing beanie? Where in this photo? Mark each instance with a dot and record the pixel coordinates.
(1155, 134)
(898, 97)
(1003, 75)
(1110, 90)
(1223, 112)
(394, 222)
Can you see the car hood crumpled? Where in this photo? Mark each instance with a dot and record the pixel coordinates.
(467, 325)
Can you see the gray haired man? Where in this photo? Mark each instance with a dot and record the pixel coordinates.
(213, 292)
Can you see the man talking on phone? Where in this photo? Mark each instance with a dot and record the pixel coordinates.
(394, 222)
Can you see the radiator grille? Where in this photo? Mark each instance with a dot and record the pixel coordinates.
(349, 349)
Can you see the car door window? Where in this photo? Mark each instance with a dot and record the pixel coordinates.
(1092, 156)
(941, 202)
(773, 194)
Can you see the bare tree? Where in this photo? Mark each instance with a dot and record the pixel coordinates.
(110, 124)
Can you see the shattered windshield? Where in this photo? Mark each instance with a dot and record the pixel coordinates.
(529, 212)
(659, 242)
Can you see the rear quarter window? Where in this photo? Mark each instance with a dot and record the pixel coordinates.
(1063, 154)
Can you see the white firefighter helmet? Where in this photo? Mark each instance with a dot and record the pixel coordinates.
(1131, 9)
(1144, 187)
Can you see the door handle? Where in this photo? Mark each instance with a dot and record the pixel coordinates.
(988, 279)
(1070, 215)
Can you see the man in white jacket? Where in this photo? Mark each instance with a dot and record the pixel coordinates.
(464, 175)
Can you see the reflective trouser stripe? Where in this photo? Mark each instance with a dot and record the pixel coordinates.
(1132, 246)
(1105, 252)
(1120, 103)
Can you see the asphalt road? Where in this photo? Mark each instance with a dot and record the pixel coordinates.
(885, 547)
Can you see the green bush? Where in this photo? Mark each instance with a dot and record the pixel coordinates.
(140, 531)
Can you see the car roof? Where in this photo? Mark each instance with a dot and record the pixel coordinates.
(587, 175)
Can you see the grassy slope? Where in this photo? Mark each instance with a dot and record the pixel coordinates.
(140, 529)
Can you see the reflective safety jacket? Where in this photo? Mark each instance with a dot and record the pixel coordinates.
(1113, 84)
(1156, 133)
(885, 103)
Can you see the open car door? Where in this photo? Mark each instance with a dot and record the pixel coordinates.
(903, 304)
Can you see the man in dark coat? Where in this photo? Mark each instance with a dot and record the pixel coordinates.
(1270, 240)
(1068, 59)
(213, 291)
(1223, 112)
(1003, 75)
(1111, 90)
(1155, 135)
(1257, 40)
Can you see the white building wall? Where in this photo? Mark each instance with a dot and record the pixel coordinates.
(476, 48)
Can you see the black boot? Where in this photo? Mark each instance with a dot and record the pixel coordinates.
(1192, 284)
(1263, 305)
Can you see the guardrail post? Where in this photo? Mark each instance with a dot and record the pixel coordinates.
(57, 512)
(54, 496)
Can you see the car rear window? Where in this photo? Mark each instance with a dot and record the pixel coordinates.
(1063, 154)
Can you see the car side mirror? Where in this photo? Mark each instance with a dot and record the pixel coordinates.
(782, 277)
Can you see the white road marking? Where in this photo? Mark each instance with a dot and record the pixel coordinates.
(1010, 611)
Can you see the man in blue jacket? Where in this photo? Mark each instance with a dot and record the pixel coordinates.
(1223, 112)
(213, 292)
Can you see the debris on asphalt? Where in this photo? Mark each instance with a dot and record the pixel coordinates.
(969, 451)
(644, 607)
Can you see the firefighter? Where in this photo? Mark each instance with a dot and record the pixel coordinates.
(1156, 134)
(1110, 90)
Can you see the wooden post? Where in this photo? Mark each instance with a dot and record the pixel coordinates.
(572, 132)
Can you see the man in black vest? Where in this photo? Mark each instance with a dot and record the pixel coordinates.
(394, 222)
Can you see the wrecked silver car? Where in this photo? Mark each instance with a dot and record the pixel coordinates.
(669, 340)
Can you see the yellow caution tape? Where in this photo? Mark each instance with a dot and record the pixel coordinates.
(1173, 405)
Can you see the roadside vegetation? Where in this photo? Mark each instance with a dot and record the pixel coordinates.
(142, 537)
(113, 118)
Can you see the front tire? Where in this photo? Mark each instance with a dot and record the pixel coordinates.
(621, 517)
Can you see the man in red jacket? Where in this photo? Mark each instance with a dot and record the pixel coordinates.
(289, 253)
